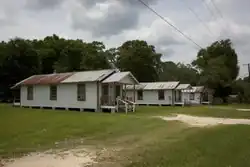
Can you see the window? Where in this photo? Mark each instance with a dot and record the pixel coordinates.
(81, 93)
(161, 95)
(139, 95)
(53, 93)
(191, 96)
(30, 93)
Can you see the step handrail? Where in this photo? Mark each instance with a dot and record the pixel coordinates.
(126, 104)
(131, 102)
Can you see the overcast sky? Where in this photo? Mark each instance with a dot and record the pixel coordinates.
(115, 21)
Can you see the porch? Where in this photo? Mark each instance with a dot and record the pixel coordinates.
(178, 98)
(113, 97)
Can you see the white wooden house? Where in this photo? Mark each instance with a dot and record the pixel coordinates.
(152, 93)
(180, 96)
(197, 95)
(94, 90)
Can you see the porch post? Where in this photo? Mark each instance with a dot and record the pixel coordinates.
(125, 91)
(134, 92)
(98, 97)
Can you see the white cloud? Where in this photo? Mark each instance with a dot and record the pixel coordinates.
(115, 21)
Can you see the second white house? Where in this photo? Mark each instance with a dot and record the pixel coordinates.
(152, 93)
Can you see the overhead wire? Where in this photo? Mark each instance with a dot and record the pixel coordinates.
(217, 9)
(170, 24)
(197, 16)
(208, 8)
(222, 17)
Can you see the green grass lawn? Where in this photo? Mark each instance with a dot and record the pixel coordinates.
(213, 111)
(151, 142)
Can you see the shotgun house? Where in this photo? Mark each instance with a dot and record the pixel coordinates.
(86, 90)
(152, 93)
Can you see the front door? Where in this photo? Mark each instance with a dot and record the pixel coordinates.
(117, 91)
(178, 96)
(105, 90)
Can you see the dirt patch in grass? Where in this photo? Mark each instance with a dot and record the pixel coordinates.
(243, 109)
(204, 121)
(80, 157)
(76, 158)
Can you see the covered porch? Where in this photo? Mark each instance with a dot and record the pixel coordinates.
(112, 96)
(180, 98)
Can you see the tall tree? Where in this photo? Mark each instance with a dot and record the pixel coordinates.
(218, 66)
(179, 72)
(20, 60)
(141, 59)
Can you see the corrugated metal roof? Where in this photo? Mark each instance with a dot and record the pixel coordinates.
(71, 77)
(46, 79)
(89, 76)
(117, 77)
(183, 86)
(194, 89)
(137, 87)
(155, 85)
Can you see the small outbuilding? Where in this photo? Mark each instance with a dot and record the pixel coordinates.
(152, 93)
(197, 95)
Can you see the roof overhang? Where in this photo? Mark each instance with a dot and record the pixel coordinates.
(122, 77)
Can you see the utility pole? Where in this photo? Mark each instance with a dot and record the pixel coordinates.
(248, 65)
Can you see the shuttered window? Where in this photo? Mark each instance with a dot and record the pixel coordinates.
(161, 95)
(53, 92)
(81, 92)
(30, 93)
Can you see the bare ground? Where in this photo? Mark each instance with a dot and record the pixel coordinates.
(81, 157)
(204, 121)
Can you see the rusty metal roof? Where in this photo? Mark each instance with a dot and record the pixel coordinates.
(70, 77)
(119, 76)
(155, 85)
(45, 79)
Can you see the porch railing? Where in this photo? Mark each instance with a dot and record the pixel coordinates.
(108, 101)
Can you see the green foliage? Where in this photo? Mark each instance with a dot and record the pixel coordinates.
(215, 67)
(241, 87)
(218, 66)
(141, 59)
(179, 72)
(20, 58)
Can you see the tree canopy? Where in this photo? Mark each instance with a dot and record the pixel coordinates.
(141, 59)
(179, 72)
(218, 66)
(215, 66)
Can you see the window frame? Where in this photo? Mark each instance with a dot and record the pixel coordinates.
(159, 95)
(193, 94)
(30, 92)
(53, 97)
(138, 97)
(81, 96)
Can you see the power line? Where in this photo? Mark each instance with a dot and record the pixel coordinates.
(165, 20)
(208, 8)
(221, 15)
(217, 9)
(198, 17)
